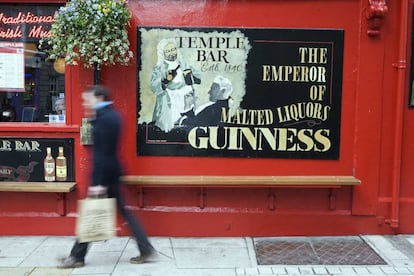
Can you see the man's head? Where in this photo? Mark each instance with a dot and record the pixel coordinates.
(170, 52)
(93, 95)
(189, 100)
(99, 91)
(220, 89)
(60, 106)
(167, 51)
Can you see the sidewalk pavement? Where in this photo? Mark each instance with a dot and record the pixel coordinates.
(37, 256)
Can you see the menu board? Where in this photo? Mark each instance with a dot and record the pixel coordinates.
(12, 66)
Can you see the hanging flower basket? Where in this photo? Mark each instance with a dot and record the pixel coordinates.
(93, 32)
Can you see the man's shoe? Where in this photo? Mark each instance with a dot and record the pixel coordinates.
(70, 262)
(145, 258)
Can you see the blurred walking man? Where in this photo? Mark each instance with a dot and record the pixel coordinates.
(106, 170)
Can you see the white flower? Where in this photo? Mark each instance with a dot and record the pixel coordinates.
(91, 31)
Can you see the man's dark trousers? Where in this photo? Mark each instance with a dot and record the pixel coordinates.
(79, 250)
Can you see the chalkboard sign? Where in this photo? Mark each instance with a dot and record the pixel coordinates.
(22, 159)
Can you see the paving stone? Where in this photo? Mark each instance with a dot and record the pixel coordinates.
(333, 270)
(348, 270)
(240, 271)
(210, 257)
(375, 270)
(403, 270)
(292, 270)
(265, 270)
(306, 270)
(42, 271)
(251, 270)
(16, 271)
(320, 270)
(10, 262)
(389, 270)
(279, 270)
(401, 263)
(361, 270)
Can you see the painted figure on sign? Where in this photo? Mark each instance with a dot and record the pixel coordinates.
(171, 79)
(210, 113)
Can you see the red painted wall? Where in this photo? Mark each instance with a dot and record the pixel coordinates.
(367, 146)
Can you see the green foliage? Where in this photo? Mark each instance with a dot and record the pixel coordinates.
(93, 32)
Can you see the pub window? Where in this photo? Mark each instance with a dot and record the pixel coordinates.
(32, 87)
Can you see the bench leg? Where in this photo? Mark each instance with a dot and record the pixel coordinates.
(332, 199)
(272, 200)
(202, 198)
(61, 204)
(140, 198)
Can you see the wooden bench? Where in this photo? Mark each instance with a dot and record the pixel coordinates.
(59, 188)
(271, 182)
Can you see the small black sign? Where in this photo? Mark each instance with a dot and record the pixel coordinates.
(23, 159)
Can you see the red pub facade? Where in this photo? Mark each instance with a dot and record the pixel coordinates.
(362, 61)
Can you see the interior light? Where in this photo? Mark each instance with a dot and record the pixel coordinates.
(59, 65)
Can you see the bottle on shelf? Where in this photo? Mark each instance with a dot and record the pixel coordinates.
(49, 165)
(61, 166)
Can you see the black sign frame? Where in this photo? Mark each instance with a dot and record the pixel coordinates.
(22, 159)
(305, 109)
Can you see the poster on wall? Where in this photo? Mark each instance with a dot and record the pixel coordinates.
(37, 159)
(224, 92)
(12, 66)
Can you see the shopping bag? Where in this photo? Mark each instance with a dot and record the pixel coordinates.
(96, 220)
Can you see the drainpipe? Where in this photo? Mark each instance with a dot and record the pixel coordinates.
(400, 65)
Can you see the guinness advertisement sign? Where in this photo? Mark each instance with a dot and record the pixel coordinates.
(273, 93)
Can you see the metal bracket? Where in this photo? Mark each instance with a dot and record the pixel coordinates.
(332, 199)
(61, 203)
(271, 200)
(140, 198)
(202, 199)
